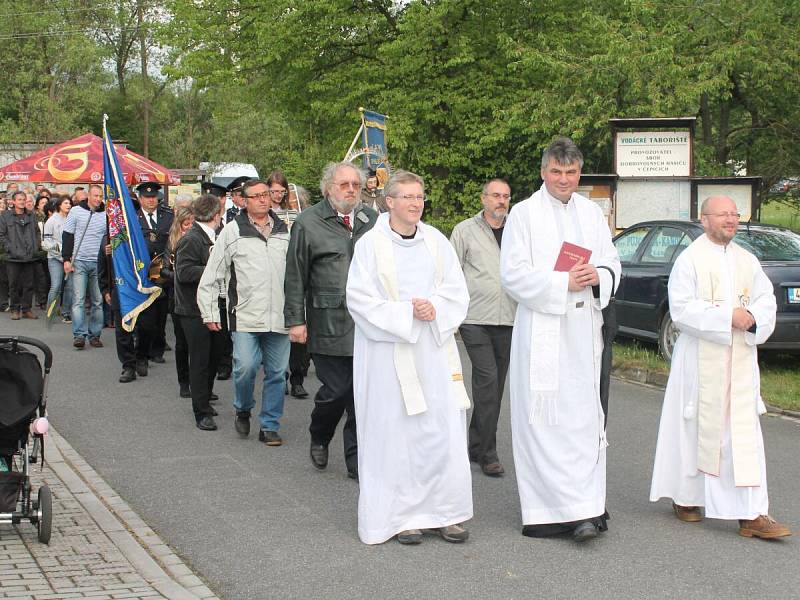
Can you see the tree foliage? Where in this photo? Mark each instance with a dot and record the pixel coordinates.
(473, 89)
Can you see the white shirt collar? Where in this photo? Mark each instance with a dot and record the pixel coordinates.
(212, 235)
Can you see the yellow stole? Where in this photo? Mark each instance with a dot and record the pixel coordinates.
(712, 388)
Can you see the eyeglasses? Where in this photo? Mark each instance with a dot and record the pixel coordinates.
(346, 185)
(259, 196)
(278, 193)
(498, 196)
(724, 215)
(411, 197)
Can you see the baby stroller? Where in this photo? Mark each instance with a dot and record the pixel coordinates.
(23, 399)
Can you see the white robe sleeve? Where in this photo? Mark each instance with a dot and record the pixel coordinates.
(378, 318)
(690, 313)
(763, 307)
(451, 299)
(537, 287)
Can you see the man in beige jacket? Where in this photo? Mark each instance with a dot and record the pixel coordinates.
(486, 332)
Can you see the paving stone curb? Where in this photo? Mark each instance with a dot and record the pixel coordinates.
(659, 380)
(153, 559)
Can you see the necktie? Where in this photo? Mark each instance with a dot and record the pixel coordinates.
(152, 221)
(346, 219)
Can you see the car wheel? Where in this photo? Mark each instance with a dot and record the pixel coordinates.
(667, 336)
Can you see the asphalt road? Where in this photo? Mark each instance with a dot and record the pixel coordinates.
(261, 522)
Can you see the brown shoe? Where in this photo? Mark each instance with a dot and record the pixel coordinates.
(687, 514)
(764, 527)
(95, 342)
(28, 314)
(15, 315)
(493, 469)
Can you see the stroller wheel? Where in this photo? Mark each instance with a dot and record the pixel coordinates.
(45, 518)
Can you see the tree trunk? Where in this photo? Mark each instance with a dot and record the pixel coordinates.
(145, 81)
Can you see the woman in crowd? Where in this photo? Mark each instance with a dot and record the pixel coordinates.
(180, 225)
(51, 242)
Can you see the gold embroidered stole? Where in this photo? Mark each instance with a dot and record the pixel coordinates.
(712, 388)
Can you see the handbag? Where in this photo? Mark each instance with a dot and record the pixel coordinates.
(609, 332)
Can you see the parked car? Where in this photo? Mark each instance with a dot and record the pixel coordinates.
(648, 250)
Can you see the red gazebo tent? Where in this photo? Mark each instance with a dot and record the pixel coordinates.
(81, 161)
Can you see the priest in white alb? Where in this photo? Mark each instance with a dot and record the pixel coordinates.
(557, 420)
(407, 296)
(710, 451)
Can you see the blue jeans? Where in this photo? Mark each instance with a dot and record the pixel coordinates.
(250, 351)
(84, 281)
(56, 268)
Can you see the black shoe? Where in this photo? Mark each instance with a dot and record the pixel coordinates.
(207, 424)
(223, 374)
(128, 375)
(584, 531)
(158, 359)
(298, 391)
(186, 391)
(319, 455)
(270, 438)
(242, 422)
(141, 368)
(213, 397)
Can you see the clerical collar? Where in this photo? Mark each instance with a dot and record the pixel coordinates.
(405, 237)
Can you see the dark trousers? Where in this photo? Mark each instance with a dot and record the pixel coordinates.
(298, 363)
(157, 321)
(205, 347)
(181, 350)
(146, 331)
(335, 396)
(41, 281)
(489, 350)
(4, 300)
(226, 357)
(125, 342)
(20, 284)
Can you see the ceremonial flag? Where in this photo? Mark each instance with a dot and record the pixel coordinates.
(129, 253)
(372, 138)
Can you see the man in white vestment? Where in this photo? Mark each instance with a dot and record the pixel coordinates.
(557, 421)
(710, 451)
(407, 296)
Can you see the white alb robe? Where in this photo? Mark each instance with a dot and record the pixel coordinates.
(675, 473)
(414, 470)
(560, 459)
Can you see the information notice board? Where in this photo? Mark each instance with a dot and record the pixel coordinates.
(653, 153)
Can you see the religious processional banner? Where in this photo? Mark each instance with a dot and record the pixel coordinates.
(129, 253)
(370, 144)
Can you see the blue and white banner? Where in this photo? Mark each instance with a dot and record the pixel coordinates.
(129, 253)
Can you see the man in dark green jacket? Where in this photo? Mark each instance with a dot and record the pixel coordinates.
(317, 262)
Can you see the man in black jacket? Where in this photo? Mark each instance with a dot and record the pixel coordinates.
(155, 220)
(320, 250)
(19, 236)
(191, 256)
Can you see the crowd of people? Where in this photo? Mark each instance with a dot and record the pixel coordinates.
(375, 297)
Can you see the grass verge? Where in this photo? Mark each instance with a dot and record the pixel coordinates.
(780, 377)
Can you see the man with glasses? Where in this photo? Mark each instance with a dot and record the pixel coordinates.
(710, 449)
(486, 332)
(250, 253)
(320, 250)
(407, 295)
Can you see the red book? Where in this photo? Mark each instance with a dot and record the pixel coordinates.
(569, 256)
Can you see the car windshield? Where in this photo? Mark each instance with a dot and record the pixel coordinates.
(770, 245)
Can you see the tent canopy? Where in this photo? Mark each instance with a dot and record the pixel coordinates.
(80, 160)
